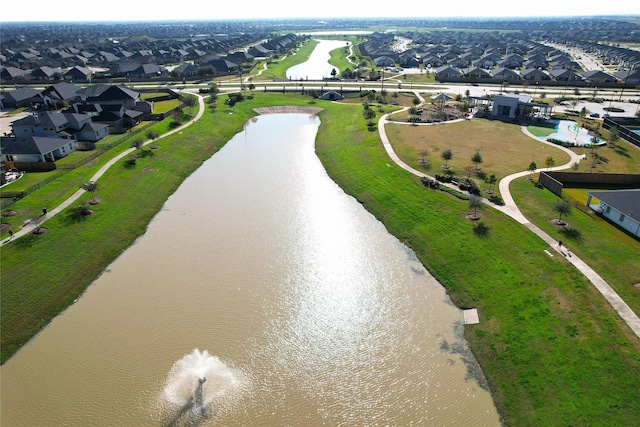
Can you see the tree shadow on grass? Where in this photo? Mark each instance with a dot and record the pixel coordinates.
(481, 230)
(572, 233)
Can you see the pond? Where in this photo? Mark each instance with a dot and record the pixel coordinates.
(261, 294)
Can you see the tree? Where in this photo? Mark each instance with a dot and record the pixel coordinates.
(583, 113)
(91, 187)
(549, 162)
(37, 223)
(491, 180)
(475, 203)
(476, 159)
(423, 153)
(188, 100)
(136, 143)
(334, 73)
(614, 135)
(562, 207)
(369, 114)
(532, 169)
(415, 100)
(446, 156)
(151, 134)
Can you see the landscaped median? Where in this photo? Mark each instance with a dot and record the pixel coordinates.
(553, 350)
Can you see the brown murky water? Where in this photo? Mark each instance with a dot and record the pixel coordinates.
(261, 295)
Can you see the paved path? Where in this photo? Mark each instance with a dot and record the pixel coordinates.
(511, 209)
(75, 196)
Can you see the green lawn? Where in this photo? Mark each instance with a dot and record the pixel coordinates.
(553, 350)
(503, 147)
(611, 252)
(277, 68)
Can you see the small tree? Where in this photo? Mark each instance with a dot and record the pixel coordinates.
(91, 187)
(491, 180)
(189, 100)
(151, 134)
(614, 135)
(549, 162)
(423, 153)
(37, 223)
(476, 159)
(475, 203)
(562, 207)
(136, 143)
(532, 169)
(369, 114)
(446, 155)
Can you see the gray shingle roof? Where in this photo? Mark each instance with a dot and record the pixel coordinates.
(625, 201)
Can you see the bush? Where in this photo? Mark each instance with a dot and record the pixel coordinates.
(496, 200)
(470, 186)
(429, 183)
(453, 192)
(560, 142)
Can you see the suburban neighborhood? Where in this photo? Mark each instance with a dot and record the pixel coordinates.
(441, 229)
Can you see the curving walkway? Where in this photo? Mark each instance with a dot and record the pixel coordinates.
(75, 196)
(511, 209)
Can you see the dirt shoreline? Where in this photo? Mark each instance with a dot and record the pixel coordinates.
(283, 109)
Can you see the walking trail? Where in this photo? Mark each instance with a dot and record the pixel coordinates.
(511, 209)
(75, 196)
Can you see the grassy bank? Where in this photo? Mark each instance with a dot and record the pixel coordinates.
(278, 69)
(553, 351)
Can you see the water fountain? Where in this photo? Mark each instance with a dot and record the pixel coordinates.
(196, 383)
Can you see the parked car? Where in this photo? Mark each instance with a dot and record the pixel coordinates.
(596, 115)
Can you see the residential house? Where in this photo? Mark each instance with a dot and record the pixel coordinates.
(506, 74)
(476, 73)
(185, 69)
(22, 97)
(384, 61)
(34, 149)
(621, 207)
(51, 125)
(55, 96)
(597, 76)
(117, 117)
(535, 74)
(46, 73)
(565, 75)
(628, 76)
(78, 73)
(107, 94)
(13, 73)
(447, 72)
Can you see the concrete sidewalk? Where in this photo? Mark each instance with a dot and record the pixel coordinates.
(75, 196)
(511, 209)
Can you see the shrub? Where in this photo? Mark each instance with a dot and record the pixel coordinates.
(496, 200)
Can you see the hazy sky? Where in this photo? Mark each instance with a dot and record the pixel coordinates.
(119, 10)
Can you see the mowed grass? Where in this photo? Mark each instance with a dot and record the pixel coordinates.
(277, 69)
(503, 147)
(612, 253)
(553, 350)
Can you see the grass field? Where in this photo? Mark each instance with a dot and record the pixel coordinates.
(503, 147)
(278, 68)
(553, 350)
